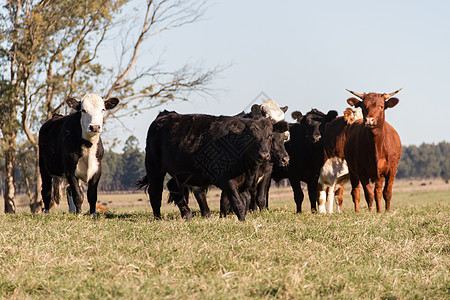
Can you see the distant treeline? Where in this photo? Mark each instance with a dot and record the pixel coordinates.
(425, 161)
(121, 170)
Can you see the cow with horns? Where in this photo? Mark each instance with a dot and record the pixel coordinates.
(372, 149)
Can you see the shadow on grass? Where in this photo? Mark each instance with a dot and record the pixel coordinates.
(135, 216)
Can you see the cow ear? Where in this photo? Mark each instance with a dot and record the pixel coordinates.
(354, 102)
(111, 103)
(391, 102)
(73, 103)
(332, 114)
(257, 111)
(284, 108)
(280, 126)
(296, 115)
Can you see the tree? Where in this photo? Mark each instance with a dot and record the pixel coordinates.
(47, 56)
(132, 163)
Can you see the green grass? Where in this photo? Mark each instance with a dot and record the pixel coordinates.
(274, 254)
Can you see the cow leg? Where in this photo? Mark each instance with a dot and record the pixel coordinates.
(261, 192)
(330, 199)
(46, 190)
(313, 195)
(355, 191)
(237, 203)
(92, 193)
(247, 198)
(200, 195)
(339, 197)
(387, 192)
(322, 197)
(298, 193)
(225, 206)
(368, 193)
(180, 195)
(254, 202)
(75, 191)
(155, 189)
(378, 193)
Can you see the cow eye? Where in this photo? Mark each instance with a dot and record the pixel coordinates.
(381, 107)
(83, 110)
(104, 109)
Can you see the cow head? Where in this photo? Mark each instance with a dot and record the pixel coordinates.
(261, 131)
(92, 109)
(351, 115)
(373, 106)
(270, 109)
(278, 152)
(314, 122)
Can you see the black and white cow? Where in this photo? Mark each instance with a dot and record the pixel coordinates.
(70, 147)
(202, 150)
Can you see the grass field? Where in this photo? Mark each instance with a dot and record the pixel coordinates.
(124, 253)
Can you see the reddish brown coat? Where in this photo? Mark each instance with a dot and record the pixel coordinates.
(372, 150)
(334, 172)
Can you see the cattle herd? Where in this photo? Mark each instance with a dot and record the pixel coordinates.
(239, 154)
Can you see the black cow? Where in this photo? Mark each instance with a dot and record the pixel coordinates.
(305, 151)
(70, 147)
(252, 185)
(202, 150)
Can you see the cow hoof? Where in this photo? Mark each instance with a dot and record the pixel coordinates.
(187, 216)
(46, 211)
(322, 210)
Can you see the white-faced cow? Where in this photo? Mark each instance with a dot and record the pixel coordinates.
(70, 147)
(202, 150)
(372, 149)
(334, 172)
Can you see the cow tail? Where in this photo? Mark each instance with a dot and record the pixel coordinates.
(142, 183)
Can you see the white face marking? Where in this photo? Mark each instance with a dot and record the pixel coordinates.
(92, 111)
(87, 165)
(272, 110)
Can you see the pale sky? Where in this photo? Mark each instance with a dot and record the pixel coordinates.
(304, 54)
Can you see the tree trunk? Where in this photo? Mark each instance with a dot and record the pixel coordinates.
(36, 201)
(10, 168)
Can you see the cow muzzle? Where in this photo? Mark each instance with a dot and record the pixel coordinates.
(264, 156)
(370, 122)
(285, 161)
(95, 129)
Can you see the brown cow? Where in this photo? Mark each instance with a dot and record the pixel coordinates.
(334, 172)
(372, 149)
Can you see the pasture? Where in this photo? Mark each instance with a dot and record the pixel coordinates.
(125, 253)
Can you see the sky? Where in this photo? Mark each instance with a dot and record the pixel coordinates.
(304, 54)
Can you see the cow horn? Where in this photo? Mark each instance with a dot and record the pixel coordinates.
(356, 94)
(387, 96)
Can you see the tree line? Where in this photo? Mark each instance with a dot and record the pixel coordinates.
(425, 161)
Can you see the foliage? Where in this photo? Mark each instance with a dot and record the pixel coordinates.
(425, 161)
(121, 171)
